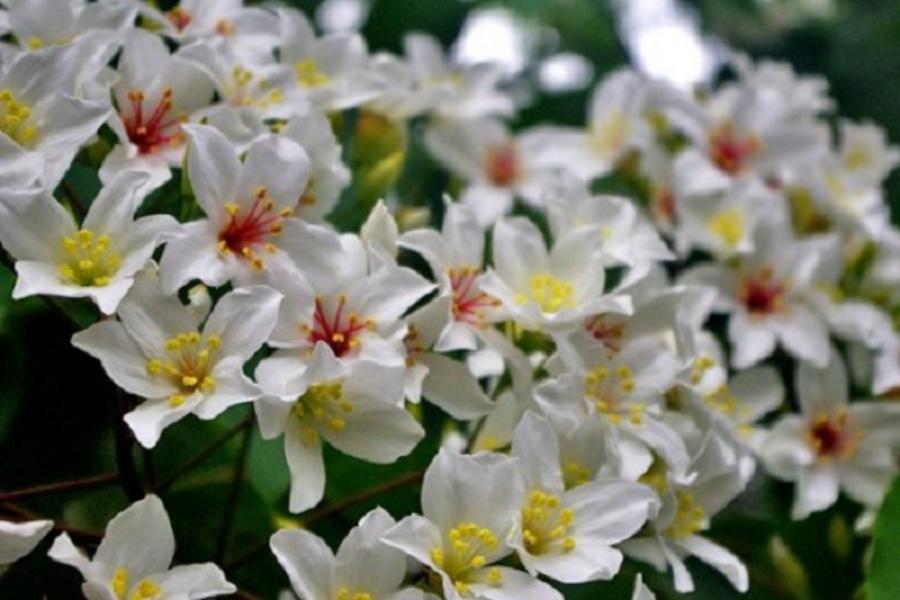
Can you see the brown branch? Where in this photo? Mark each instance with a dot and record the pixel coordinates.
(62, 486)
(202, 455)
(128, 475)
(83, 535)
(334, 508)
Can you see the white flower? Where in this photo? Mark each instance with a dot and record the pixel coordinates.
(44, 122)
(767, 294)
(332, 70)
(568, 534)
(356, 407)
(455, 255)
(40, 23)
(340, 301)
(469, 508)
(364, 568)
(833, 445)
(97, 259)
(443, 381)
(545, 289)
(625, 391)
(641, 591)
(328, 175)
(158, 350)
(133, 560)
(18, 539)
(156, 94)
(686, 509)
(248, 205)
(865, 154)
(251, 30)
(798, 96)
(625, 237)
(450, 91)
(616, 124)
(493, 163)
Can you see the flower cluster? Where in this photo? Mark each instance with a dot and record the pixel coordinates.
(596, 411)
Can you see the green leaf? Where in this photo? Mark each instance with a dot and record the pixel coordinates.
(884, 577)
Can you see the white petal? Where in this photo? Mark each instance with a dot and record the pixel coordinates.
(365, 562)
(306, 559)
(148, 420)
(195, 581)
(244, 319)
(18, 539)
(304, 458)
(817, 489)
(213, 167)
(145, 520)
(719, 558)
(451, 386)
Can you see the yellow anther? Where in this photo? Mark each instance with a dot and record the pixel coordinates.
(337, 424)
(207, 384)
(624, 372)
(231, 208)
(176, 400)
(89, 261)
(628, 385)
(568, 544)
(478, 561)
(119, 582)
(437, 557)
(549, 293)
(213, 341)
(495, 577)
(146, 590)
(154, 366)
(727, 225)
(189, 381)
(309, 75)
(15, 118)
(461, 587)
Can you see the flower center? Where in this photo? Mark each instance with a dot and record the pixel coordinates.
(309, 75)
(469, 303)
(144, 590)
(179, 17)
(464, 552)
(688, 516)
(257, 226)
(340, 331)
(322, 405)
(153, 129)
(730, 150)
(831, 437)
(762, 293)
(607, 330)
(88, 261)
(575, 474)
(545, 524)
(186, 363)
(728, 226)
(15, 119)
(245, 90)
(609, 135)
(549, 293)
(344, 593)
(501, 163)
(606, 392)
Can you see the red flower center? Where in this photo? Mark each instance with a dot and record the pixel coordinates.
(149, 130)
(256, 226)
(761, 293)
(501, 163)
(831, 438)
(336, 327)
(179, 17)
(469, 303)
(606, 330)
(730, 150)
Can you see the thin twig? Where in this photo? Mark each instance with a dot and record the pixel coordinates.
(235, 491)
(84, 535)
(61, 486)
(331, 509)
(128, 475)
(202, 455)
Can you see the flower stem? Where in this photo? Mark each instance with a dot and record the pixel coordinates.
(128, 475)
(233, 494)
(58, 487)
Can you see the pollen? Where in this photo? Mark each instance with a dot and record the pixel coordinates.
(549, 293)
(309, 75)
(688, 518)
(465, 554)
(119, 582)
(16, 120)
(728, 226)
(323, 407)
(145, 590)
(546, 524)
(337, 326)
(88, 259)
(185, 360)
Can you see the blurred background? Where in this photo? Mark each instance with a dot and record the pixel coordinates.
(559, 48)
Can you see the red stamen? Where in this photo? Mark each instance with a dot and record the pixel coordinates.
(830, 437)
(730, 150)
(469, 303)
(340, 335)
(501, 163)
(606, 331)
(159, 130)
(761, 293)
